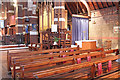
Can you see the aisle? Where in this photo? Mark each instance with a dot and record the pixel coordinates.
(3, 63)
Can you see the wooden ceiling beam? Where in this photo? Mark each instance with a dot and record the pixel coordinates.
(87, 6)
(109, 3)
(68, 8)
(113, 3)
(95, 4)
(73, 10)
(78, 6)
(75, 7)
(91, 5)
(82, 7)
(100, 4)
(117, 5)
(104, 3)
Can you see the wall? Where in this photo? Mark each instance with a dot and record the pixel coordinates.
(101, 26)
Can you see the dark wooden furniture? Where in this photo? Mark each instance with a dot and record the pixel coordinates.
(88, 45)
(12, 56)
(54, 62)
(108, 44)
(35, 46)
(42, 58)
(69, 68)
(48, 38)
(64, 70)
(50, 60)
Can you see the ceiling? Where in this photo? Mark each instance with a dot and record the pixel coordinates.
(79, 8)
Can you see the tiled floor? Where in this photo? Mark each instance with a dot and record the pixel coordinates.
(3, 64)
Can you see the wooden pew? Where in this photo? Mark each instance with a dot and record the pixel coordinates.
(54, 71)
(37, 57)
(111, 74)
(32, 58)
(27, 59)
(112, 51)
(57, 60)
(49, 62)
(11, 56)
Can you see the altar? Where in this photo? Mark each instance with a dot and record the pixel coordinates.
(87, 44)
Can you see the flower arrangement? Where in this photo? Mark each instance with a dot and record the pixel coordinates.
(56, 40)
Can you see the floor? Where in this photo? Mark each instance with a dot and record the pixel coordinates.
(3, 64)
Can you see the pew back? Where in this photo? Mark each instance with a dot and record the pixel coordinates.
(11, 56)
(60, 70)
(73, 59)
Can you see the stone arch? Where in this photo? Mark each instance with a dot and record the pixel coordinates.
(87, 6)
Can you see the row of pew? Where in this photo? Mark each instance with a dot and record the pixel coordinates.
(61, 63)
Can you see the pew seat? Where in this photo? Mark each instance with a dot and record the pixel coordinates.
(41, 62)
(59, 60)
(60, 70)
(11, 56)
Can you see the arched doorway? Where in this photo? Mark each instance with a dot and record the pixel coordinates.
(80, 21)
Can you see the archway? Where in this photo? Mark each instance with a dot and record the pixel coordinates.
(87, 6)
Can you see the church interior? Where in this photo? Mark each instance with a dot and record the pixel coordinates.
(59, 39)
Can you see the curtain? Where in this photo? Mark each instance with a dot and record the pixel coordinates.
(79, 29)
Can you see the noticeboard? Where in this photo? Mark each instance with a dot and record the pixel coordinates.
(1, 23)
(54, 28)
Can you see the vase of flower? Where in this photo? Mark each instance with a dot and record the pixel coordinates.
(55, 43)
(56, 40)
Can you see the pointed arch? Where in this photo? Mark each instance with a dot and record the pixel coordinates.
(87, 6)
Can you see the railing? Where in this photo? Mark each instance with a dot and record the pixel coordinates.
(12, 39)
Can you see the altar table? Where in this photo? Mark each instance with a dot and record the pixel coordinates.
(87, 44)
